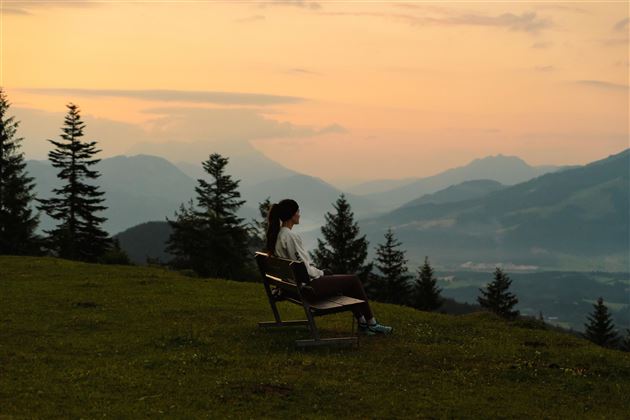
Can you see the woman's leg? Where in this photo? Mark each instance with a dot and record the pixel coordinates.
(346, 284)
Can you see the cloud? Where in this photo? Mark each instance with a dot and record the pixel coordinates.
(333, 129)
(525, 22)
(544, 68)
(178, 134)
(304, 72)
(562, 8)
(614, 42)
(622, 25)
(541, 45)
(255, 18)
(14, 11)
(603, 85)
(224, 124)
(27, 7)
(202, 97)
(303, 4)
(36, 126)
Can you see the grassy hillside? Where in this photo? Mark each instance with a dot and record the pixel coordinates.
(80, 340)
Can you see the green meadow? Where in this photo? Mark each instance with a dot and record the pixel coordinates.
(86, 341)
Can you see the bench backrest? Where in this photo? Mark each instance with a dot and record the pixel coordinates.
(286, 274)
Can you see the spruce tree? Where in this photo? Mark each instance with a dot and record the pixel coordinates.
(260, 226)
(17, 222)
(496, 297)
(213, 240)
(392, 284)
(600, 328)
(426, 296)
(78, 235)
(342, 251)
(625, 344)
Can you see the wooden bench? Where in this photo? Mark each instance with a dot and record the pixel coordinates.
(287, 280)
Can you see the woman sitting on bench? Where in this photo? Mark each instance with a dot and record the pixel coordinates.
(283, 242)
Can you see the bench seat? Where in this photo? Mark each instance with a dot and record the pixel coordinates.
(287, 280)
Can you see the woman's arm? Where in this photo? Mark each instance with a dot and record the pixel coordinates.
(301, 255)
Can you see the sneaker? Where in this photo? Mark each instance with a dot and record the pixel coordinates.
(363, 329)
(374, 329)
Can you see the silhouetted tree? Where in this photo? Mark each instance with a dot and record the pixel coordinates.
(625, 344)
(600, 329)
(78, 235)
(17, 222)
(426, 294)
(392, 284)
(115, 255)
(342, 251)
(258, 229)
(213, 240)
(496, 297)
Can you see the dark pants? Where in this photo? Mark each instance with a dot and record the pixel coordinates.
(343, 284)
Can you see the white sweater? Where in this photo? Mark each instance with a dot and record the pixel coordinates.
(289, 246)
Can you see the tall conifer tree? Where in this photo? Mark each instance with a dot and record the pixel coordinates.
(392, 284)
(600, 328)
(426, 294)
(342, 251)
(496, 296)
(213, 239)
(17, 222)
(78, 235)
(260, 226)
(625, 344)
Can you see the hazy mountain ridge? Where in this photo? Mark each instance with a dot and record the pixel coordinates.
(574, 213)
(460, 192)
(507, 170)
(137, 189)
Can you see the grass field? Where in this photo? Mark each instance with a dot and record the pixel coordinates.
(81, 340)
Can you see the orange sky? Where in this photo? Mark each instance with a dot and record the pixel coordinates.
(351, 90)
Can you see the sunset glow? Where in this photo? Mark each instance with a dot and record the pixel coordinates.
(361, 90)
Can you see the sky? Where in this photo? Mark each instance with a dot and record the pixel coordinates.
(343, 90)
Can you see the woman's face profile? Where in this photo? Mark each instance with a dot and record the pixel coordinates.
(296, 218)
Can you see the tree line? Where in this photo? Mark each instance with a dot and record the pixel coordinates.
(75, 205)
(209, 238)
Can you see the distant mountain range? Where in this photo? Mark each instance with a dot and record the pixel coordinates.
(575, 218)
(460, 192)
(137, 189)
(146, 241)
(507, 170)
(467, 221)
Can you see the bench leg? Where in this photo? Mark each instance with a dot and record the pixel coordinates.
(311, 322)
(283, 323)
(342, 341)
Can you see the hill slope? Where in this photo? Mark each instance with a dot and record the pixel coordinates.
(460, 192)
(507, 170)
(575, 218)
(137, 189)
(80, 340)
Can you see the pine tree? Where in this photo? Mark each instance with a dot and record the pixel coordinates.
(213, 240)
(625, 344)
(78, 235)
(600, 329)
(17, 222)
(392, 285)
(426, 296)
(260, 226)
(497, 298)
(342, 251)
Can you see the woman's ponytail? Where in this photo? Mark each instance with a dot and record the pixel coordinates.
(273, 228)
(278, 213)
